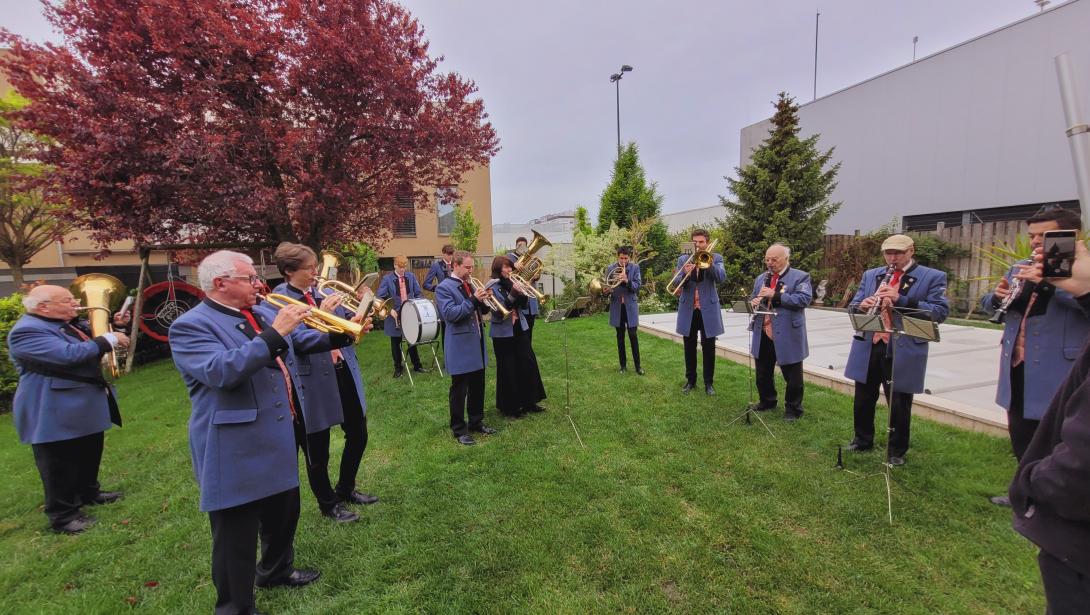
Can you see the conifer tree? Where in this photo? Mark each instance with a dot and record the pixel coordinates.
(629, 196)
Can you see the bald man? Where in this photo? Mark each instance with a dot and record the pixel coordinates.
(63, 405)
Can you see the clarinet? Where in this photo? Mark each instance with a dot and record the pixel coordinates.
(753, 317)
(885, 280)
(1017, 284)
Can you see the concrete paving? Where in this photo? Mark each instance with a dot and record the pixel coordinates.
(962, 368)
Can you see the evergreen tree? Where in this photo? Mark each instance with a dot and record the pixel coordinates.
(582, 221)
(781, 195)
(466, 229)
(629, 196)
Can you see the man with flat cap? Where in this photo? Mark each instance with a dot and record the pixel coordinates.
(903, 285)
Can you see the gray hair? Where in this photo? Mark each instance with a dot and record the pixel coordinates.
(31, 303)
(218, 265)
(786, 250)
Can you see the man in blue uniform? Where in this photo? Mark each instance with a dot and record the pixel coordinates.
(903, 283)
(63, 405)
(698, 311)
(624, 306)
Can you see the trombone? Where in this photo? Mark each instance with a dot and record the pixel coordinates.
(317, 319)
(492, 301)
(703, 259)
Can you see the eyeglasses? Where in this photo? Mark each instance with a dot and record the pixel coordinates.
(252, 279)
(70, 301)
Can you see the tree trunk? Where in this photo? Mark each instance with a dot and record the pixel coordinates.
(17, 277)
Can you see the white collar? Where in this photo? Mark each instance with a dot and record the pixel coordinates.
(233, 309)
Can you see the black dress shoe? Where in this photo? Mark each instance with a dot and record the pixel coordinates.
(858, 447)
(896, 461)
(639, 371)
(533, 408)
(340, 514)
(485, 429)
(298, 578)
(792, 418)
(398, 372)
(76, 526)
(688, 387)
(623, 369)
(419, 370)
(761, 407)
(104, 497)
(709, 389)
(359, 498)
(467, 440)
(1000, 500)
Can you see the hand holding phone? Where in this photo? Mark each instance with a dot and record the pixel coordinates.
(1058, 249)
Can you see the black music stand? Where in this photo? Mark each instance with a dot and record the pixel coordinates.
(744, 306)
(562, 315)
(906, 326)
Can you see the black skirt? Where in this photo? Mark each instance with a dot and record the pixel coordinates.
(518, 379)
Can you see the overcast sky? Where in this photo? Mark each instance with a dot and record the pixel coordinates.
(702, 71)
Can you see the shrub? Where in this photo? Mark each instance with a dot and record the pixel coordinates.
(11, 308)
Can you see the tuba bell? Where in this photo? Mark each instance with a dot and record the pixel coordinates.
(529, 265)
(98, 293)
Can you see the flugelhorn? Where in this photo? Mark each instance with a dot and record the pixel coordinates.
(526, 288)
(492, 301)
(97, 292)
(317, 319)
(358, 298)
(703, 259)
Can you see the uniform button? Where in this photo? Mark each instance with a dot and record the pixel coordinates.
(278, 404)
(280, 418)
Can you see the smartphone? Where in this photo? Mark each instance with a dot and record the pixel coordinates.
(1059, 253)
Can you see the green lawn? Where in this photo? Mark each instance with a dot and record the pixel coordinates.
(667, 507)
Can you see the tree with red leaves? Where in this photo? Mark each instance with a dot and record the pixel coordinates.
(244, 120)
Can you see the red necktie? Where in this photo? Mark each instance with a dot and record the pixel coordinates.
(335, 353)
(1018, 353)
(79, 332)
(401, 283)
(249, 315)
(469, 295)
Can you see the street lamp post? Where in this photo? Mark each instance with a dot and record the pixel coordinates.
(616, 78)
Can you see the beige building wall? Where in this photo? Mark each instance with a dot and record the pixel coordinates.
(5, 86)
(476, 189)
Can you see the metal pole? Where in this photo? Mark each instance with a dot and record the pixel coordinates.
(138, 308)
(618, 82)
(817, 29)
(915, 39)
(1078, 133)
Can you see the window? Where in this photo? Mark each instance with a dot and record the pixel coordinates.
(446, 200)
(404, 213)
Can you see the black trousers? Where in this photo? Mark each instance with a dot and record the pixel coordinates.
(355, 441)
(395, 350)
(235, 532)
(879, 371)
(466, 390)
(766, 386)
(1067, 591)
(707, 348)
(1019, 428)
(69, 471)
(631, 338)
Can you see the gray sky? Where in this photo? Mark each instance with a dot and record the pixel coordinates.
(702, 71)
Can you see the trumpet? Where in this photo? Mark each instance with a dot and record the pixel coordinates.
(608, 282)
(526, 288)
(492, 301)
(703, 259)
(885, 280)
(317, 319)
(358, 298)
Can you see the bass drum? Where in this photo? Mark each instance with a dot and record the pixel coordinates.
(419, 321)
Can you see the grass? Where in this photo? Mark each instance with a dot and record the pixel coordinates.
(668, 508)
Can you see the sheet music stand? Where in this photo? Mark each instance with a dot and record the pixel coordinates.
(563, 314)
(743, 306)
(905, 323)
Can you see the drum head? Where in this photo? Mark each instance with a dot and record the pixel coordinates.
(410, 322)
(418, 321)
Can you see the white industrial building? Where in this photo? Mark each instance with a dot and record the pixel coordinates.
(974, 132)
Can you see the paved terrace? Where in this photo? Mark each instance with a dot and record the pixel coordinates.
(962, 368)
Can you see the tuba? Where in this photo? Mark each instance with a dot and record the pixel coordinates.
(529, 265)
(703, 259)
(491, 301)
(317, 319)
(98, 293)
